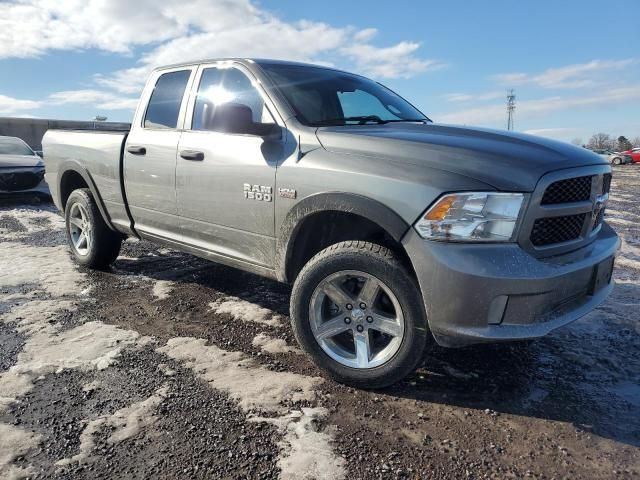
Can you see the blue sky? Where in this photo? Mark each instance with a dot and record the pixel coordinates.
(575, 65)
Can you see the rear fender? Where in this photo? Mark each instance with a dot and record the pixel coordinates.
(75, 166)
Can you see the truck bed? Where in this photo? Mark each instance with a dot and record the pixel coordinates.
(96, 155)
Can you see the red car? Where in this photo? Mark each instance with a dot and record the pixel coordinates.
(634, 153)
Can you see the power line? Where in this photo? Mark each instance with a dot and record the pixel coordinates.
(511, 106)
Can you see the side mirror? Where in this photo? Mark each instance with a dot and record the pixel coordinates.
(232, 118)
(238, 118)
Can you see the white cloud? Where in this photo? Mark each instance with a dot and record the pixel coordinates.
(396, 61)
(559, 133)
(99, 99)
(365, 35)
(10, 105)
(570, 76)
(273, 38)
(466, 97)
(492, 114)
(178, 31)
(31, 27)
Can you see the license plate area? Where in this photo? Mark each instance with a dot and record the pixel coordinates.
(601, 277)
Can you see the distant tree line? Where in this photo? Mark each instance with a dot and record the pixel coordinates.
(604, 141)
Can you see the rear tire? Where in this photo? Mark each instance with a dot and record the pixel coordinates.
(392, 326)
(617, 161)
(93, 244)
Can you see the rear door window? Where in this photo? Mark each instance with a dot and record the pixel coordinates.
(165, 101)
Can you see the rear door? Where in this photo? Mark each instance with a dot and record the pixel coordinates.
(226, 196)
(150, 154)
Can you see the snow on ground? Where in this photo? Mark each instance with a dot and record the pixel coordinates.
(245, 311)
(273, 345)
(260, 391)
(55, 285)
(123, 424)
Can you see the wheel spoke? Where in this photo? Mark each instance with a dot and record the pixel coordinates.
(369, 292)
(331, 328)
(76, 222)
(336, 293)
(82, 215)
(387, 325)
(363, 349)
(82, 241)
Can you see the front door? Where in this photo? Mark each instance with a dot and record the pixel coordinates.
(225, 182)
(150, 156)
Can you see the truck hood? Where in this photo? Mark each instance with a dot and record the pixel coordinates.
(505, 160)
(13, 161)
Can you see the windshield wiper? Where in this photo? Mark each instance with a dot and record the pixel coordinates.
(342, 120)
(421, 120)
(364, 119)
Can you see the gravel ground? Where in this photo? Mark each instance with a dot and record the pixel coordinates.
(170, 366)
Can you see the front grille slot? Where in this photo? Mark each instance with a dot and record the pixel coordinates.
(606, 183)
(576, 189)
(551, 230)
(16, 181)
(599, 219)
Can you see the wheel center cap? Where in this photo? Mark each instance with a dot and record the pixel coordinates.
(357, 314)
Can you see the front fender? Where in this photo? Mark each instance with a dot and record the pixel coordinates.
(356, 204)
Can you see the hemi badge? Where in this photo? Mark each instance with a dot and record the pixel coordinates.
(287, 192)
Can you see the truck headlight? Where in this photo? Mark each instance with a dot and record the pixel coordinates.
(472, 217)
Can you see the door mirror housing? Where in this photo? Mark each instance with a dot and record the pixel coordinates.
(237, 118)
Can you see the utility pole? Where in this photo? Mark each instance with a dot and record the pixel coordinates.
(511, 106)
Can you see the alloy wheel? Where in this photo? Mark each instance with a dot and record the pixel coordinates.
(356, 319)
(80, 229)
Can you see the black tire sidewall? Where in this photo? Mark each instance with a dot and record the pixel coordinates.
(105, 243)
(390, 271)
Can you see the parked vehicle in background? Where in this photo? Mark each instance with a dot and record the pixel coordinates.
(21, 170)
(614, 158)
(392, 229)
(634, 153)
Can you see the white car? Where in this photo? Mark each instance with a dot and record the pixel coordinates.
(614, 158)
(21, 170)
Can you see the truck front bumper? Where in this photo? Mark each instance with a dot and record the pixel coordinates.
(475, 293)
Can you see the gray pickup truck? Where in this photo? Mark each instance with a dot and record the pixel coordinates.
(392, 229)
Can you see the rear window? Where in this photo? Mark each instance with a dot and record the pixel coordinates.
(165, 101)
(14, 146)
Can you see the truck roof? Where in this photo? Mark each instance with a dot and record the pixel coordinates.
(245, 61)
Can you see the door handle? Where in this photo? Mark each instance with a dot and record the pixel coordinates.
(136, 150)
(192, 155)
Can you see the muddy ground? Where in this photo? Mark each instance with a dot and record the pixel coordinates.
(170, 366)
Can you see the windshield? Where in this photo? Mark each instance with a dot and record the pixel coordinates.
(14, 146)
(322, 97)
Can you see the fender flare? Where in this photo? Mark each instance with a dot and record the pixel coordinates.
(353, 203)
(75, 166)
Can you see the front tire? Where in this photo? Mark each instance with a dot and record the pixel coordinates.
(357, 311)
(617, 161)
(93, 244)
